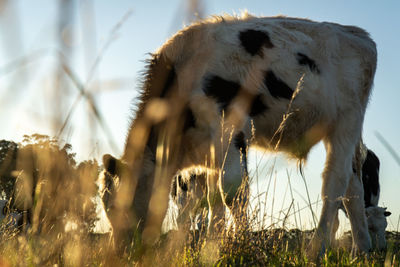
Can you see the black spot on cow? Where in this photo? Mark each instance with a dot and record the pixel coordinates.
(240, 142)
(182, 184)
(306, 61)
(370, 177)
(189, 120)
(258, 106)
(253, 41)
(277, 87)
(223, 91)
(173, 188)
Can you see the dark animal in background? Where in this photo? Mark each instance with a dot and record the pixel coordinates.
(376, 216)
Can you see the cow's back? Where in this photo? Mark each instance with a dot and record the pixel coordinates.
(218, 61)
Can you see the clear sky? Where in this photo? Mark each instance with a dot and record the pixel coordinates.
(28, 28)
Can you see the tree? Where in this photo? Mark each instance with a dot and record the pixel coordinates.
(41, 177)
(8, 158)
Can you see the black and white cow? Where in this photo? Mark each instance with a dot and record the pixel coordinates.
(283, 83)
(376, 216)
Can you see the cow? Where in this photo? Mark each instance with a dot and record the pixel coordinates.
(277, 83)
(376, 216)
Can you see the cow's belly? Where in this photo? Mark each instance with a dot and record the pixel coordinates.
(294, 132)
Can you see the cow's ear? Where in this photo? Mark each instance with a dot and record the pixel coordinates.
(387, 213)
(110, 164)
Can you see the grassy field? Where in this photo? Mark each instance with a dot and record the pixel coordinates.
(63, 219)
(276, 247)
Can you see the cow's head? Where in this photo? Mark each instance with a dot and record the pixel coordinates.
(377, 223)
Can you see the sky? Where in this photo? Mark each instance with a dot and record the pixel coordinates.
(106, 44)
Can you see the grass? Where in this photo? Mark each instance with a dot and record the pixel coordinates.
(54, 176)
(52, 245)
(277, 247)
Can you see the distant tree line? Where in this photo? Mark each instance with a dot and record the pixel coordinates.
(40, 175)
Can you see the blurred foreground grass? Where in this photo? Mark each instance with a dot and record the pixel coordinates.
(42, 175)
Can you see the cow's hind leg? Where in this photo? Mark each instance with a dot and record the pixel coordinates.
(354, 204)
(340, 146)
